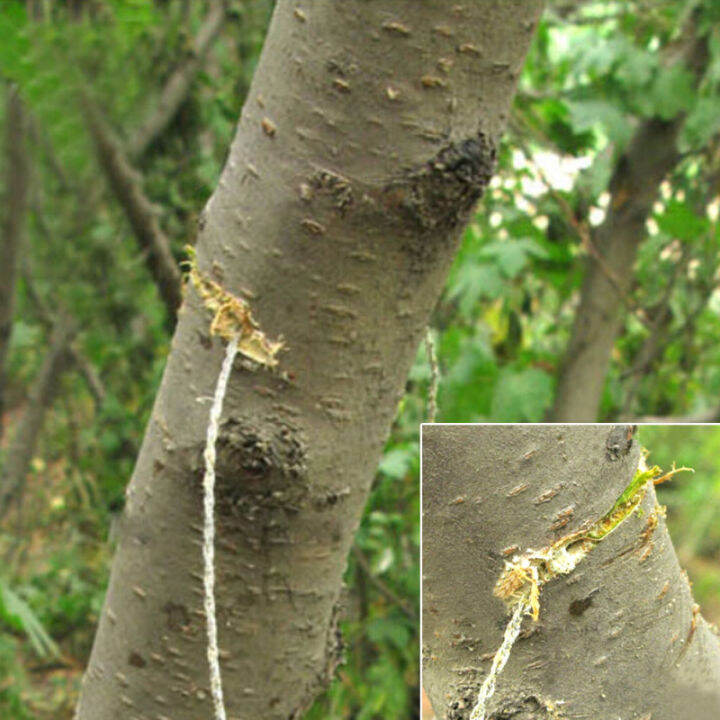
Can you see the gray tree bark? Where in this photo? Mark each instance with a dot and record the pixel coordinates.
(368, 135)
(16, 207)
(651, 155)
(615, 637)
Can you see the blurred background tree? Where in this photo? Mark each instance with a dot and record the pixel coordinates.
(118, 115)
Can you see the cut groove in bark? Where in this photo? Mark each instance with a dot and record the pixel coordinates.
(324, 223)
(612, 639)
(232, 318)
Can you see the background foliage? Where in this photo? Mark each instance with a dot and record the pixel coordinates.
(594, 72)
(693, 503)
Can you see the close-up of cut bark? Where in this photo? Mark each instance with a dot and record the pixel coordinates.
(560, 518)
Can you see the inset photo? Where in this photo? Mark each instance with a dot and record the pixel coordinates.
(570, 571)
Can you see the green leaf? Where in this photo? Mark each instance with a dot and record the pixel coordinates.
(672, 92)
(702, 123)
(397, 462)
(521, 396)
(600, 114)
(383, 561)
(513, 255)
(474, 281)
(16, 613)
(593, 181)
(680, 221)
(384, 630)
(466, 391)
(636, 65)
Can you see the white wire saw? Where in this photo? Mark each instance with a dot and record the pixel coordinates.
(512, 631)
(209, 456)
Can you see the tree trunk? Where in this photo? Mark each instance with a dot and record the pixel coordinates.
(126, 183)
(176, 88)
(615, 637)
(22, 447)
(368, 135)
(661, 331)
(16, 202)
(651, 155)
(50, 320)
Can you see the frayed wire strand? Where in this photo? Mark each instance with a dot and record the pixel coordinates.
(434, 375)
(209, 456)
(512, 631)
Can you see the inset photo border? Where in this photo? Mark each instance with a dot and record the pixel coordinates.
(553, 571)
